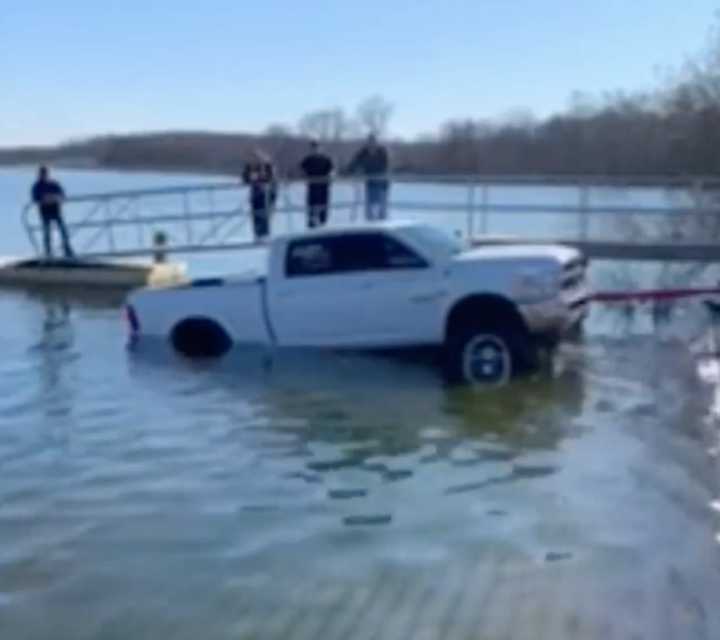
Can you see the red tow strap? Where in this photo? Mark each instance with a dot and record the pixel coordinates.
(649, 295)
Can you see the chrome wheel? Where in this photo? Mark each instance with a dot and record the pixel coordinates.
(486, 361)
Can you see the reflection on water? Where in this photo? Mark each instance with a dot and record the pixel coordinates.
(339, 412)
(303, 494)
(53, 353)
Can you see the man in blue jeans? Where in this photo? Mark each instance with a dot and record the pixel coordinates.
(48, 195)
(373, 162)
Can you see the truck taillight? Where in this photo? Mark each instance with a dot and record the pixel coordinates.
(132, 320)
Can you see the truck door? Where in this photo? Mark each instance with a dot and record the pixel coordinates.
(318, 300)
(353, 289)
(406, 295)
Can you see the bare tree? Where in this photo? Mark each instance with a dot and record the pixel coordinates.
(674, 130)
(373, 115)
(278, 131)
(327, 125)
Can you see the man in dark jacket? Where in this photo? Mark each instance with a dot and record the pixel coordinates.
(259, 175)
(317, 167)
(373, 162)
(48, 195)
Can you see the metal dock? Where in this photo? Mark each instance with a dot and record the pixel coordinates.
(596, 217)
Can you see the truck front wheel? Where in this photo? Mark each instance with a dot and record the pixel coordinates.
(200, 338)
(486, 356)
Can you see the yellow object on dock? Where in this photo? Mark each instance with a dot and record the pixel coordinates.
(87, 273)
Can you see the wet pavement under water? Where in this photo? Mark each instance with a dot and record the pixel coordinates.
(317, 495)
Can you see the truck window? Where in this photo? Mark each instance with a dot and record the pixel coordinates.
(349, 253)
(398, 256)
(308, 258)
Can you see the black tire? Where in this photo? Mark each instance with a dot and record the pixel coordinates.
(487, 355)
(200, 338)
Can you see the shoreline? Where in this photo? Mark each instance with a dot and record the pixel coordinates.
(557, 179)
(98, 168)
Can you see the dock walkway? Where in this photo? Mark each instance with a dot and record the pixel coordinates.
(662, 219)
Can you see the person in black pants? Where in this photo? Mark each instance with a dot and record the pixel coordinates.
(317, 167)
(259, 175)
(48, 195)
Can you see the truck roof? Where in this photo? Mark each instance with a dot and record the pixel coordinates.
(351, 228)
(510, 248)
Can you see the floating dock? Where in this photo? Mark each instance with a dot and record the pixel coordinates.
(89, 273)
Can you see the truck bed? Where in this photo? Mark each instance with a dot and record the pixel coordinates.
(236, 302)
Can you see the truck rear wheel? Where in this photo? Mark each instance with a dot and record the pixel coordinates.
(487, 356)
(200, 338)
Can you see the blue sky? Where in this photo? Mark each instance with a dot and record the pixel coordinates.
(76, 68)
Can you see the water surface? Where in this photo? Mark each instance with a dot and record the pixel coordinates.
(306, 495)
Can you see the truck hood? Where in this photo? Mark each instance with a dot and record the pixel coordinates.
(494, 251)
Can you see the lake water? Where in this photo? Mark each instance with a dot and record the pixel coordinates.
(319, 496)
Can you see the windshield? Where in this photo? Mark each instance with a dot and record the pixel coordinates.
(438, 240)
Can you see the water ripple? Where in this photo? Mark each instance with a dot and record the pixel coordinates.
(144, 483)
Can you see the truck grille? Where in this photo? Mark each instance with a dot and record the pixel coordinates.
(573, 287)
(573, 275)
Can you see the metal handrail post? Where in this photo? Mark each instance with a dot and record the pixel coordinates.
(109, 224)
(470, 208)
(135, 206)
(188, 220)
(583, 201)
(485, 206)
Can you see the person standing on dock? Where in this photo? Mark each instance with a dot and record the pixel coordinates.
(48, 195)
(373, 161)
(317, 167)
(259, 175)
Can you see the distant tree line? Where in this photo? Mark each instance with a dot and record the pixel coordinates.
(672, 131)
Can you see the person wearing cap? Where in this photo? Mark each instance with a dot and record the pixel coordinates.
(48, 195)
(373, 161)
(317, 168)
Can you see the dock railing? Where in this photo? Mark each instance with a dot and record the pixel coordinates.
(629, 211)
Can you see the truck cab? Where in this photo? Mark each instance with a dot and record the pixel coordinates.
(362, 287)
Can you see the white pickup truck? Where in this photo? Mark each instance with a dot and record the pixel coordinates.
(380, 286)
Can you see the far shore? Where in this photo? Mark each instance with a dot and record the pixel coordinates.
(558, 179)
(99, 168)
